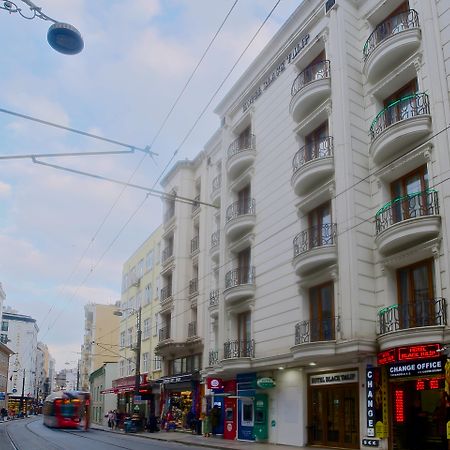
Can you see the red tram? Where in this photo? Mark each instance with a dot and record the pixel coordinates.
(67, 409)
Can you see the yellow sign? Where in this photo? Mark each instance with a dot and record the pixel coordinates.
(448, 429)
(380, 430)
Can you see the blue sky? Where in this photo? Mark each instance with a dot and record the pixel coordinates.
(138, 55)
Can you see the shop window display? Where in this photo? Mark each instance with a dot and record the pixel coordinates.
(179, 414)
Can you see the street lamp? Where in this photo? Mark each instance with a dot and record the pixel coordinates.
(62, 37)
(137, 380)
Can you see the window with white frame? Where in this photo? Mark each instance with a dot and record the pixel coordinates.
(140, 268)
(157, 362)
(130, 366)
(148, 293)
(157, 324)
(122, 368)
(138, 300)
(145, 362)
(146, 330)
(149, 260)
(129, 337)
(122, 339)
(157, 288)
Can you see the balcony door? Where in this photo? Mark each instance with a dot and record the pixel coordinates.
(321, 300)
(244, 138)
(402, 109)
(315, 145)
(320, 226)
(415, 285)
(244, 266)
(409, 195)
(244, 334)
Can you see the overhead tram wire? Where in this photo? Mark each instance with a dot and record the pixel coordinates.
(183, 141)
(116, 201)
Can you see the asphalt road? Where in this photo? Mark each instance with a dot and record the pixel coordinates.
(31, 434)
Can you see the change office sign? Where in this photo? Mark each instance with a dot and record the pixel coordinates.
(415, 368)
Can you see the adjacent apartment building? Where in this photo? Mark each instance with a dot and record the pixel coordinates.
(308, 277)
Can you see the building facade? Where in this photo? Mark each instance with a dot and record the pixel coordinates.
(140, 308)
(21, 335)
(43, 385)
(101, 334)
(316, 268)
(5, 354)
(2, 300)
(102, 402)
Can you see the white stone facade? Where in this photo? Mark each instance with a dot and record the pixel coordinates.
(329, 177)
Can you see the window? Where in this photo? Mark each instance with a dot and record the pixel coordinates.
(321, 299)
(409, 195)
(149, 260)
(130, 337)
(148, 294)
(122, 339)
(244, 327)
(316, 144)
(157, 363)
(146, 330)
(4, 338)
(415, 287)
(320, 226)
(4, 325)
(140, 268)
(130, 366)
(157, 324)
(404, 109)
(145, 362)
(122, 368)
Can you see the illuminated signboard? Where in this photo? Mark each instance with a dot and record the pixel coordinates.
(409, 353)
(415, 368)
(399, 406)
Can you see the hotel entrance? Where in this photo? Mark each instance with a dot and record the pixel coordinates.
(418, 412)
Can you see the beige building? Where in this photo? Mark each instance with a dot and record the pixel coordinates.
(5, 353)
(140, 291)
(101, 334)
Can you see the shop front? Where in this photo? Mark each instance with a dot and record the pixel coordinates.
(333, 409)
(180, 401)
(415, 388)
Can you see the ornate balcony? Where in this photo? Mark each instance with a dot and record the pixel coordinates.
(239, 284)
(315, 248)
(241, 154)
(166, 295)
(392, 41)
(196, 205)
(166, 255)
(193, 287)
(240, 218)
(310, 89)
(239, 349)
(312, 164)
(309, 331)
(215, 191)
(192, 329)
(214, 298)
(214, 251)
(401, 124)
(422, 313)
(213, 359)
(195, 244)
(164, 334)
(406, 221)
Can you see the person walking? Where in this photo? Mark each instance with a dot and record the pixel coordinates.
(110, 419)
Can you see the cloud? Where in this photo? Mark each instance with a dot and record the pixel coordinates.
(5, 190)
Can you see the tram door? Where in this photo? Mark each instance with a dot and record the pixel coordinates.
(418, 414)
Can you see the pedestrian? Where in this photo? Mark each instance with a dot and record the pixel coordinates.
(110, 419)
(113, 419)
(3, 414)
(118, 416)
(215, 418)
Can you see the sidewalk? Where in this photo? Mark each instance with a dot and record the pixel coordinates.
(201, 441)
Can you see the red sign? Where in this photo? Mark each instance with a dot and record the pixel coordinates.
(409, 353)
(214, 383)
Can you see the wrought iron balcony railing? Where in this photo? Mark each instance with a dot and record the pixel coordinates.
(214, 298)
(418, 204)
(192, 329)
(242, 143)
(240, 208)
(196, 205)
(166, 292)
(310, 152)
(318, 71)
(216, 183)
(213, 357)
(240, 276)
(405, 108)
(215, 239)
(316, 330)
(315, 237)
(239, 349)
(195, 242)
(166, 254)
(391, 26)
(419, 313)
(164, 333)
(193, 286)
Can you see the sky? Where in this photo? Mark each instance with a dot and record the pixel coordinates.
(64, 237)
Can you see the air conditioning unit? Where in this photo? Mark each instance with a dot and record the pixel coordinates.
(329, 5)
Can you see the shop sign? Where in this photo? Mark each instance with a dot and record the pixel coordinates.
(280, 67)
(370, 390)
(370, 442)
(265, 383)
(409, 353)
(176, 379)
(415, 368)
(214, 383)
(2, 396)
(334, 378)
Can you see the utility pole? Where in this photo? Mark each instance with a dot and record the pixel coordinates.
(137, 382)
(23, 393)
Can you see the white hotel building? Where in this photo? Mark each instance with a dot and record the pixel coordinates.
(325, 264)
